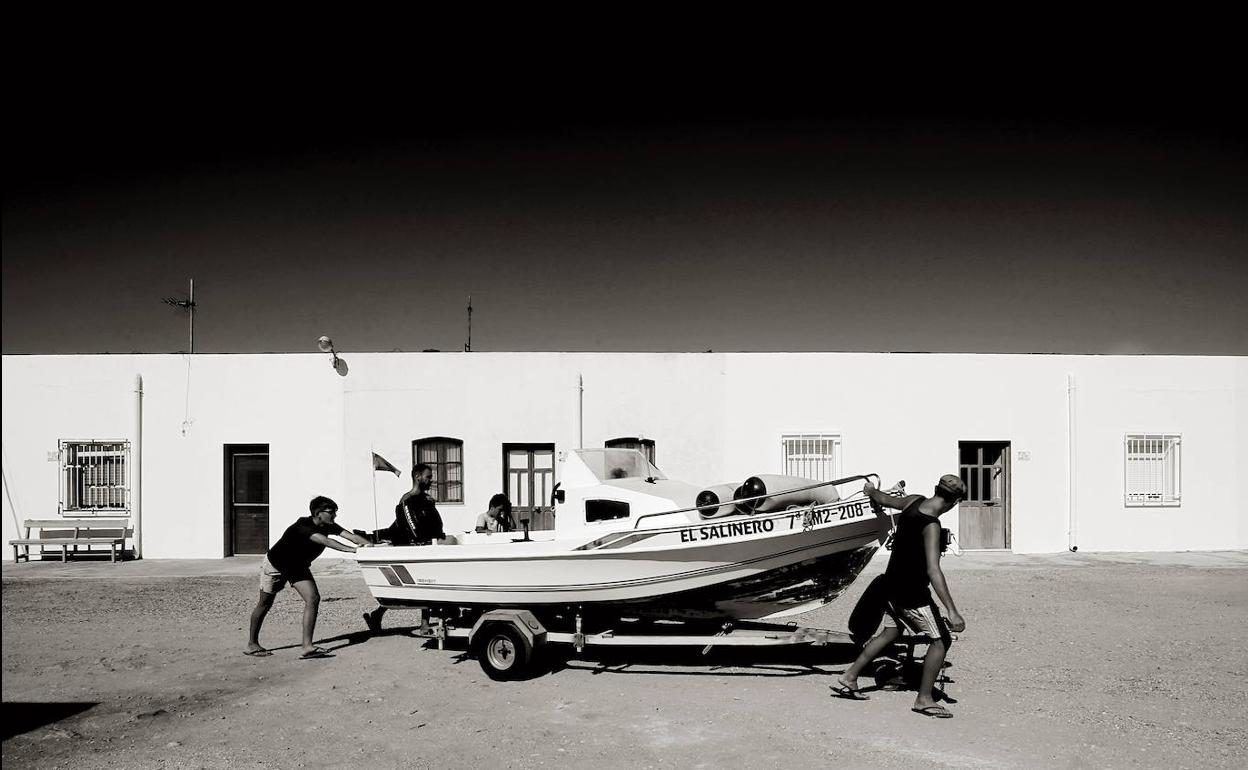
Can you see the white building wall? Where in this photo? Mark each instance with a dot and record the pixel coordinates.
(487, 400)
(713, 417)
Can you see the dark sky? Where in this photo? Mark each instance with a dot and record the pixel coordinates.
(653, 209)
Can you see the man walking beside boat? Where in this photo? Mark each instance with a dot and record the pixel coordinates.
(416, 522)
(912, 567)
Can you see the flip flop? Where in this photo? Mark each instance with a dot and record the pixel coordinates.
(847, 692)
(257, 653)
(936, 712)
(316, 653)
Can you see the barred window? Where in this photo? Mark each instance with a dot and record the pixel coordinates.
(643, 445)
(812, 455)
(446, 457)
(95, 476)
(1153, 469)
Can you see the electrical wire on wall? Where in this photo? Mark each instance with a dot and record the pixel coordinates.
(186, 408)
(8, 492)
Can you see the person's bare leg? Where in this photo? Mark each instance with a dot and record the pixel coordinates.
(933, 661)
(873, 649)
(257, 619)
(311, 604)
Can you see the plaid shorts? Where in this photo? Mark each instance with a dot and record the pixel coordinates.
(921, 621)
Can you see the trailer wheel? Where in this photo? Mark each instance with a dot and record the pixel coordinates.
(503, 652)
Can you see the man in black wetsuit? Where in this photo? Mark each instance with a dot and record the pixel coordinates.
(913, 566)
(290, 561)
(416, 522)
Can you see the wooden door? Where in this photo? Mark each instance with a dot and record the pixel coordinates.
(528, 481)
(984, 516)
(246, 498)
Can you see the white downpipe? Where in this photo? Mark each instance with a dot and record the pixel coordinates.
(136, 508)
(1071, 478)
(580, 411)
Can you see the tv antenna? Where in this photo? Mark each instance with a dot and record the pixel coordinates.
(188, 305)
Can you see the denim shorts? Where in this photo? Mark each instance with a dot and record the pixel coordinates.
(273, 580)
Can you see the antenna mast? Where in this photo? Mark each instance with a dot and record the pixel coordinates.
(186, 304)
(468, 344)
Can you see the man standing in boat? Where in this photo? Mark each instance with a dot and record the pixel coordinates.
(912, 567)
(416, 522)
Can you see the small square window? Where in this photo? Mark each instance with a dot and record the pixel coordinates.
(1153, 473)
(95, 476)
(812, 455)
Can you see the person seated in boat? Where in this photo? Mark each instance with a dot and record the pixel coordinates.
(416, 522)
(498, 517)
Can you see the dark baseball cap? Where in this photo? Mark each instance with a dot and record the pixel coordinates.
(951, 487)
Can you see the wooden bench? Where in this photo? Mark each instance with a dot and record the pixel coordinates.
(73, 532)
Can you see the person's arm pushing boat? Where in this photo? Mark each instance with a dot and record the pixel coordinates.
(888, 501)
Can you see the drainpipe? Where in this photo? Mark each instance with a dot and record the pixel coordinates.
(136, 508)
(1071, 478)
(580, 411)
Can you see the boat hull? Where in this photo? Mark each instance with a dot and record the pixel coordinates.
(746, 568)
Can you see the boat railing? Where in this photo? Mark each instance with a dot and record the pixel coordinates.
(846, 480)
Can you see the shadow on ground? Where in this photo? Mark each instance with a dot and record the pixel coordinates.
(20, 717)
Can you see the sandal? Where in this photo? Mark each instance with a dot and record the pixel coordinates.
(936, 712)
(317, 652)
(847, 692)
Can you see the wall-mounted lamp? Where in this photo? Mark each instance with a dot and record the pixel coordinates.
(327, 346)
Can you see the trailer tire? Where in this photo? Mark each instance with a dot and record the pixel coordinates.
(504, 653)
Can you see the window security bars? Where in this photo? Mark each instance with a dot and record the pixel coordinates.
(1153, 473)
(95, 477)
(812, 455)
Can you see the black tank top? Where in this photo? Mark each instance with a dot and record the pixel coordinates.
(907, 567)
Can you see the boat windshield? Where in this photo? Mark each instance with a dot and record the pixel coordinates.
(608, 464)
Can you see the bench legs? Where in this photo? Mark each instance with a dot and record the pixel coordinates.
(116, 551)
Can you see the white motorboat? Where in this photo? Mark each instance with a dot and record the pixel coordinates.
(630, 542)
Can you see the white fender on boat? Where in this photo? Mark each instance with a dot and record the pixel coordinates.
(772, 484)
(709, 499)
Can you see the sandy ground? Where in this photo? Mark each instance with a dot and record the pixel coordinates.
(1068, 661)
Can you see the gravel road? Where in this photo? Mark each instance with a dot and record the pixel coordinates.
(1068, 661)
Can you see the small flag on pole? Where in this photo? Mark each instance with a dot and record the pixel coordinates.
(382, 464)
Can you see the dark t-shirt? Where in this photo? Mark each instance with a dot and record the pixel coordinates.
(424, 516)
(907, 567)
(294, 551)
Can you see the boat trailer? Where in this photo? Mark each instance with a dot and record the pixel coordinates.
(508, 643)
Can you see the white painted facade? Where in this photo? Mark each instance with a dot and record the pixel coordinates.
(713, 417)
